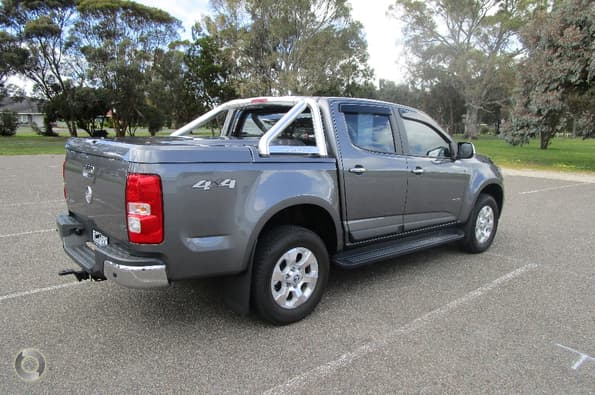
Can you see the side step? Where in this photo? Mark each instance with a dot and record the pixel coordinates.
(372, 253)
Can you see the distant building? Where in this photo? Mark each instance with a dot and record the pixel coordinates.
(29, 111)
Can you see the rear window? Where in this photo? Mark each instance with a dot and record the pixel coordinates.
(254, 123)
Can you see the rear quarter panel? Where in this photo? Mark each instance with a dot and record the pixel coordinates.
(212, 231)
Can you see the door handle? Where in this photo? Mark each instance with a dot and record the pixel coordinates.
(357, 170)
(418, 171)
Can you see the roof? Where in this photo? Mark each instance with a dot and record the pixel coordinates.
(21, 105)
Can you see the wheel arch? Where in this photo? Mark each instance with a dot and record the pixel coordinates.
(309, 216)
(495, 191)
(310, 213)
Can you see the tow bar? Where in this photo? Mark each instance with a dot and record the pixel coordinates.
(80, 275)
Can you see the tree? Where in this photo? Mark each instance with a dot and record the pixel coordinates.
(290, 47)
(468, 45)
(119, 40)
(42, 27)
(556, 78)
(81, 106)
(168, 91)
(8, 123)
(12, 58)
(208, 78)
(445, 104)
(401, 93)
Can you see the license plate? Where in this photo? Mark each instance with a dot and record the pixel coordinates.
(100, 239)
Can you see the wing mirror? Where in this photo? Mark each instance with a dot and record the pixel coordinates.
(465, 150)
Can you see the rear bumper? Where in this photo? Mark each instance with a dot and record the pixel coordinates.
(136, 276)
(109, 262)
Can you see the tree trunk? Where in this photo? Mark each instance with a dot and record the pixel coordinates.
(472, 122)
(72, 128)
(544, 140)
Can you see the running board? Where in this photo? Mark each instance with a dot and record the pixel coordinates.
(361, 256)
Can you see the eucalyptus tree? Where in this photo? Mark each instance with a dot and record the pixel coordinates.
(119, 40)
(469, 45)
(12, 59)
(290, 47)
(42, 28)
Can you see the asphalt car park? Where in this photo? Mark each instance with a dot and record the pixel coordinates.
(518, 318)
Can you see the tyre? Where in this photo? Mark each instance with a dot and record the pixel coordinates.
(481, 227)
(291, 268)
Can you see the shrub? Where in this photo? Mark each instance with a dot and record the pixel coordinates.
(484, 129)
(8, 123)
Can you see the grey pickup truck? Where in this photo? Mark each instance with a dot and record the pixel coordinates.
(269, 194)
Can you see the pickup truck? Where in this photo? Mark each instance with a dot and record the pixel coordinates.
(270, 193)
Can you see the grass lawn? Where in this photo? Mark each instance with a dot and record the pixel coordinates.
(27, 142)
(564, 154)
(31, 145)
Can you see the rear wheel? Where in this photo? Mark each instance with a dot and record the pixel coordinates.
(481, 227)
(291, 268)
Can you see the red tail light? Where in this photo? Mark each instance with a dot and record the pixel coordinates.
(64, 177)
(144, 208)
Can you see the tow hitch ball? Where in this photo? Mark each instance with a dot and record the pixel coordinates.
(80, 275)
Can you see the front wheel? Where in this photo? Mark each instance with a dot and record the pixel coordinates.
(481, 227)
(291, 268)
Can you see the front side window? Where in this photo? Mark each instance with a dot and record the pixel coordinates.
(425, 141)
(370, 131)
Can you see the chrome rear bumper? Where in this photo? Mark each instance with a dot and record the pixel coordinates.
(136, 276)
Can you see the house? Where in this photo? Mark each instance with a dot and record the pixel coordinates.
(28, 110)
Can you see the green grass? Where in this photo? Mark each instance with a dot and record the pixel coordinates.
(31, 145)
(563, 154)
(27, 142)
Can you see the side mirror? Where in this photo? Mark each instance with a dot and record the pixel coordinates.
(465, 150)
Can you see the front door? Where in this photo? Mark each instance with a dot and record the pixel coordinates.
(436, 183)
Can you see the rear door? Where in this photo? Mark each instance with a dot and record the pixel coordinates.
(373, 168)
(436, 184)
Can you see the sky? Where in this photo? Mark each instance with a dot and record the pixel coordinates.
(382, 32)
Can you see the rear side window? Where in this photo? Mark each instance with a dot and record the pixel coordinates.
(372, 132)
(425, 141)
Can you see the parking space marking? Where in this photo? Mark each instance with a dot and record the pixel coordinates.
(305, 380)
(27, 233)
(583, 357)
(38, 290)
(33, 203)
(554, 188)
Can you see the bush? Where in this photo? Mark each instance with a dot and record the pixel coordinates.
(484, 129)
(154, 120)
(8, 123)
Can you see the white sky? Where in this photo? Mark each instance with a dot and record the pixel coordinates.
(382, 32)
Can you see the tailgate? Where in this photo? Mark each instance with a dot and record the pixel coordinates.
(95, 188)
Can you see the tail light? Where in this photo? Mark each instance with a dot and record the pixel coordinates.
(144, 208)
(64, 177)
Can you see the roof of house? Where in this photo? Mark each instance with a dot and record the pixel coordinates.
(21, 105)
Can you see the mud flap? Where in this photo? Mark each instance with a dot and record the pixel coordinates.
(237, 289)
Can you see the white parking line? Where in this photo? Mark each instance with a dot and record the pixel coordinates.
(38, 290)
(305, 380)
(27, 233)
(33, 203)
(554, 188)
